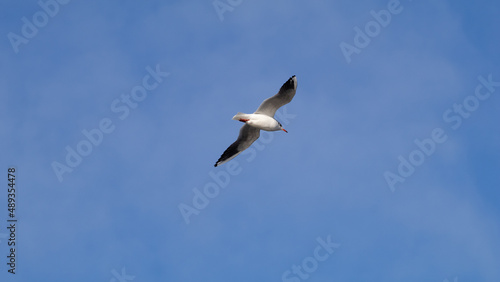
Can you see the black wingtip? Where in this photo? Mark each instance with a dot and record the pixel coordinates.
(289, 84)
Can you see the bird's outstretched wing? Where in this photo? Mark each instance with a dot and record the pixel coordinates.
(247, 136)
(284, 96)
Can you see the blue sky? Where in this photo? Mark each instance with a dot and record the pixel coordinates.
(314, 204)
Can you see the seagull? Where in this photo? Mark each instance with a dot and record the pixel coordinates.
(262, 118)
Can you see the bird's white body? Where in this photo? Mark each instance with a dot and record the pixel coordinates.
(259, 121)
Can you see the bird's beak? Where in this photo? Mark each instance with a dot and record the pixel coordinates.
(284, 130)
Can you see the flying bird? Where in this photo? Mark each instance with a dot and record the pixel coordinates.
(263, 118)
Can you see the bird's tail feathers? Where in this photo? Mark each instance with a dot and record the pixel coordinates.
(240, 115)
